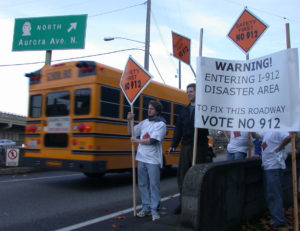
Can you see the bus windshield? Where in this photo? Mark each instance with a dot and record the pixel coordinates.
(58, 104)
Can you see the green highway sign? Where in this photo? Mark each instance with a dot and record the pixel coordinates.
(49, 33)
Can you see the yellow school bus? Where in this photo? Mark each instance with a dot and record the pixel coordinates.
(77, 118)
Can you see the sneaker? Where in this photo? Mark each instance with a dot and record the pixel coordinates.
(155, 216)
(143, 213)
(273, 224)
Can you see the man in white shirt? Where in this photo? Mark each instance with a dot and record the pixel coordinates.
(237, 147)
(149, 134)
(273, 162)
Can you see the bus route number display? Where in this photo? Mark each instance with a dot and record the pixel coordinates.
(133, 81)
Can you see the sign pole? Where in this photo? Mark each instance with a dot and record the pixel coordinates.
(133, 81)
(133, 165)
(196, 129)
(294, 172)
(293, 141)
(193, 70)
(48, 57)
(249, 135)
(179, 74)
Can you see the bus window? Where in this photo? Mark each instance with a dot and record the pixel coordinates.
(57, 140)
(146, 100)
(35, 106)
(177, 110)
(166, 111)
(110, 102)
(58, 104)
(82, 101)
(135, 108)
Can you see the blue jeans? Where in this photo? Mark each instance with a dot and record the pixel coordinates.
(149, 186)
(236, 155)
(273, 194)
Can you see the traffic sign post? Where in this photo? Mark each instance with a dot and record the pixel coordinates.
(133, 81)
(12, 157)
(49, 33)
(182, 51)
(247, 30)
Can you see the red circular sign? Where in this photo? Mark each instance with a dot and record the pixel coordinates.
(12, 154)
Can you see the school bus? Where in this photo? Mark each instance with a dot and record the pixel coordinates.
(77, 118)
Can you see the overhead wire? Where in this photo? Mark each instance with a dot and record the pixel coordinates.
(88, 56)
(159, 32)
(117, 10)
(72, 58)
(113, 11)
(11, 4)
(161, 38)
(264, 11)
(93, 55)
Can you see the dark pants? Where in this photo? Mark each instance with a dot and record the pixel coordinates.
(186, 160)
(273, 194)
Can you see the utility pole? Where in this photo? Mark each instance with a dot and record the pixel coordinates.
(179, 74)
(147, 38)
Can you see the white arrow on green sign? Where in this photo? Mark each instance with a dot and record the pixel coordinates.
(49, 33)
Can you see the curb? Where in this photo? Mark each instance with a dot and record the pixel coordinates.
(16, 170)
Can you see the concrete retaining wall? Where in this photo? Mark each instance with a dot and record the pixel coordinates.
(220, 196)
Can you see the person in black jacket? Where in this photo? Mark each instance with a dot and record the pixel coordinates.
(184, 133)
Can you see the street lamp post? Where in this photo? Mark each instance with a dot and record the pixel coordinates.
(147, 37)
(113, 38)
(147, 53)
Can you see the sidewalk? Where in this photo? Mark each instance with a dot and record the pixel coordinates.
(16, 170)
(127, 222)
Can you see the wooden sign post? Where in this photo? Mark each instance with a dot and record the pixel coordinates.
(293, 141)
(133, 81)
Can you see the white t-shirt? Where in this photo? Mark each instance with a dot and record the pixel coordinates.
(150, 153)
(238, 142)
(270, 142)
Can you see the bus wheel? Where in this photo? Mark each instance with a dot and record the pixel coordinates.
(94, 175)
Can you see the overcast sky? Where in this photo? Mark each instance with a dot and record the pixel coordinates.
(123, 18)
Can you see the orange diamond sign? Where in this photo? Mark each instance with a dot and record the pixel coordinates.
(134, 80)
(247, 30)
(181, 47)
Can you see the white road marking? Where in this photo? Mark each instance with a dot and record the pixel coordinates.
(40, 178)
(109, 216)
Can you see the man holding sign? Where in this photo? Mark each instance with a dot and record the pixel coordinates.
(184, 133)
(149, 134)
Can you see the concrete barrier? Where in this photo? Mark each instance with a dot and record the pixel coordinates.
(221, 196)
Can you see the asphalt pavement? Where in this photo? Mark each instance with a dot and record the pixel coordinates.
(127, 222)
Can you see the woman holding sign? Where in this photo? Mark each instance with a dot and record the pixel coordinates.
(149, 134)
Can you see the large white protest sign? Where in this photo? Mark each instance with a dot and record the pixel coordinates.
(252, 95)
